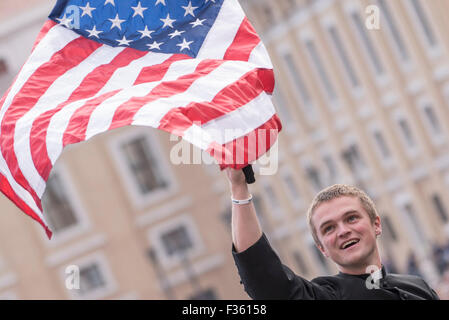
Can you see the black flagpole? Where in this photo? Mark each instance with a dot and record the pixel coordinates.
(249, 174)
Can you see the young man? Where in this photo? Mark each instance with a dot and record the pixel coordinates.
(345, 225)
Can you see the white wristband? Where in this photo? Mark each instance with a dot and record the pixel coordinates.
(246, 201)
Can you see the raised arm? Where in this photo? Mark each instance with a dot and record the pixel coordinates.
(261, 271)
(246, 228)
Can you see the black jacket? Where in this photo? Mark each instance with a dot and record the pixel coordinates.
(265, 277)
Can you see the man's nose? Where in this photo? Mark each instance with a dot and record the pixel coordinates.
(343, 231)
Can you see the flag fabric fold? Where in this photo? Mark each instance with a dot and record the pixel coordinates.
(194, 68)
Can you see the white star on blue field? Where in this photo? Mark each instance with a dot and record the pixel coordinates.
(166, 26)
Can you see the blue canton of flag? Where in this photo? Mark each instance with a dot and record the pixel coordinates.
(166, 26)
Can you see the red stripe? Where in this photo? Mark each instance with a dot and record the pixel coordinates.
(2, 101)
(157, 72)
(8, 191)
(90, 86)
(62, 61)
(232, 97)
(246, 39)
(76, 130)
(74, 133)
(266, 76)
(247, 148)
(125, 113)
(48, 25)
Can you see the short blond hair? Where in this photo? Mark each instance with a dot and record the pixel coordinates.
(337, 191)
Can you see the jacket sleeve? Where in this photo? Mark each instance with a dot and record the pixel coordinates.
(265, 277)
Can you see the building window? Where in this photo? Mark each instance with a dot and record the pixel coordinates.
(389, 231)
(314, 178)
(367, 43)
(424, 23)
(143, 165)
(354, 160)
(397, 38)
(95, 278)
(382, 144)
(298, 79)
(284, 112)
(291, 188)
(268, 15)
(91, 279)
(439, 207)
(432, 120)
(414, 226)
(338, 44)
(3, 67)
(319, 67)
(273, 201)
(331, 168)
(226, 217)
(176, 241)
(146, 175)
(58, 210)
(406, 133)
(207, 294)
(414, 223)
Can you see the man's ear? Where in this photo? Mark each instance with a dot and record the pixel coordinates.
(320, 247)
(377, 226)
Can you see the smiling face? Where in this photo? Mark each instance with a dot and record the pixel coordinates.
(347, 235)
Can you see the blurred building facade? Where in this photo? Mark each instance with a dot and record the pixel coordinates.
(136, 226)
(359, 105)
(363, 103)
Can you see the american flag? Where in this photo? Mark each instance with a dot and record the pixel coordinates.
(194, 68)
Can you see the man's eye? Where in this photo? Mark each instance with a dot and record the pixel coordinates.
(327, 229)
(352, 218)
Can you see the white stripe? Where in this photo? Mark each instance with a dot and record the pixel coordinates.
(244, 119)
(19, 190)
(59, 91)
(259, 57)
(223, 31)
(126, 76)
(198, 137)
(180, 68)
(55, 40)
(60, 121)
(233, 125)
(103, 114)
(202, 89)
(55, 131)
(122, 78)
(101, 118)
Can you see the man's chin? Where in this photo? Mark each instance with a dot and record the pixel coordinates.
(352, 261)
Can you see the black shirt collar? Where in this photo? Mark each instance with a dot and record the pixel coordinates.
(363, 275)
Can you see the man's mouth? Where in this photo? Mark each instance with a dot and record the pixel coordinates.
(349, 243)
